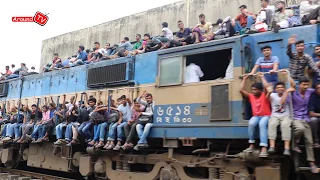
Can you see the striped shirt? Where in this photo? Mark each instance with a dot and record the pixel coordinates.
(265, 65)
(298, 64)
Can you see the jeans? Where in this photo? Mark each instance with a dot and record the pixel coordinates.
(9, 130)
(262, 121)
(238, 26)
(76, 63)
(85, 129)
(68, 133)
(112, 131)
(103, 128)
(130, 131)
(143, 132)
(4, 130)
(13, 76)
(17, 130)
(59, 130)
(120, 132)
(96, 132)
(37, 131)
(46, 128)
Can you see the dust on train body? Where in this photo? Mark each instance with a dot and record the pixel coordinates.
(199, 128)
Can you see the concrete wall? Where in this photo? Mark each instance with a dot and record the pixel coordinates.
(144, 22)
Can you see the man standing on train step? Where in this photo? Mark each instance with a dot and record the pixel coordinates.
(299, 60)
(259, 99)
(301, 127)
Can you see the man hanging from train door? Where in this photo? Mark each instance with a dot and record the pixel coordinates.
(301, 127)
(259, 99)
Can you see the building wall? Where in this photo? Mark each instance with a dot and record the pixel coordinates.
(144, 22)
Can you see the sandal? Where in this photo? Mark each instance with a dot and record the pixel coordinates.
(99, 145)
(109, 147)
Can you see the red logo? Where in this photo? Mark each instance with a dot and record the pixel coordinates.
(38, 18)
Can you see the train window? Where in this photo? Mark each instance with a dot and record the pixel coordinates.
(213, 64)
(170, 71)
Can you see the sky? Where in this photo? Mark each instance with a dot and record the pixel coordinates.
(21, 41)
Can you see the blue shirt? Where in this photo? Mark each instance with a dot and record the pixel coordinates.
(52, 113)
(127, 46)
(82, 55)
(265, 65)
(186, 32)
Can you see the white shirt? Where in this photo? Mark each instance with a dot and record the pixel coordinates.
(229, 71)
(167, 33)
(306, 8)
(192, 74)
(13, 69)
(262, 16)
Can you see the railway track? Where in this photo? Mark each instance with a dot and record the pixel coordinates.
(14, 174)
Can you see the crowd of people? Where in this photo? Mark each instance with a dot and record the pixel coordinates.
(112, 126)
(270, 101)
(268, 18)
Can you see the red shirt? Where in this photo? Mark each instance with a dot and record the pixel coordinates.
(243, 19)
(260, 105)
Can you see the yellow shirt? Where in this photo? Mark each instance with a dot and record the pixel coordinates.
(205, 29)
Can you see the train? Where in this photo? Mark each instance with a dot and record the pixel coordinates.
(200, 129)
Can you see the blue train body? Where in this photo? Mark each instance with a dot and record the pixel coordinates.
(170, 120)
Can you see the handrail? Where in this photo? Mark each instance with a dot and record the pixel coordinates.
(256, 74)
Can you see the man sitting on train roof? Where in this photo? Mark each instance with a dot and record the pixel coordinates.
(163, 41)
(280, 115)
(259, 99)
(264, 16)
(268, 63)
(281, 17)
(6, 74)
(202, 31)
(301, 127)
(80, 59)
(97, 53)
(310, 12)
(242, 23)
(183, 36)
(22, 71)
(145, 122)
(56, 63)
(299, 60)
(224, 30)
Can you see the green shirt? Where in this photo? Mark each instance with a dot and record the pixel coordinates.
(137, 45)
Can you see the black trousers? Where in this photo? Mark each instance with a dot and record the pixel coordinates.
(314, 15)
(130, 131)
